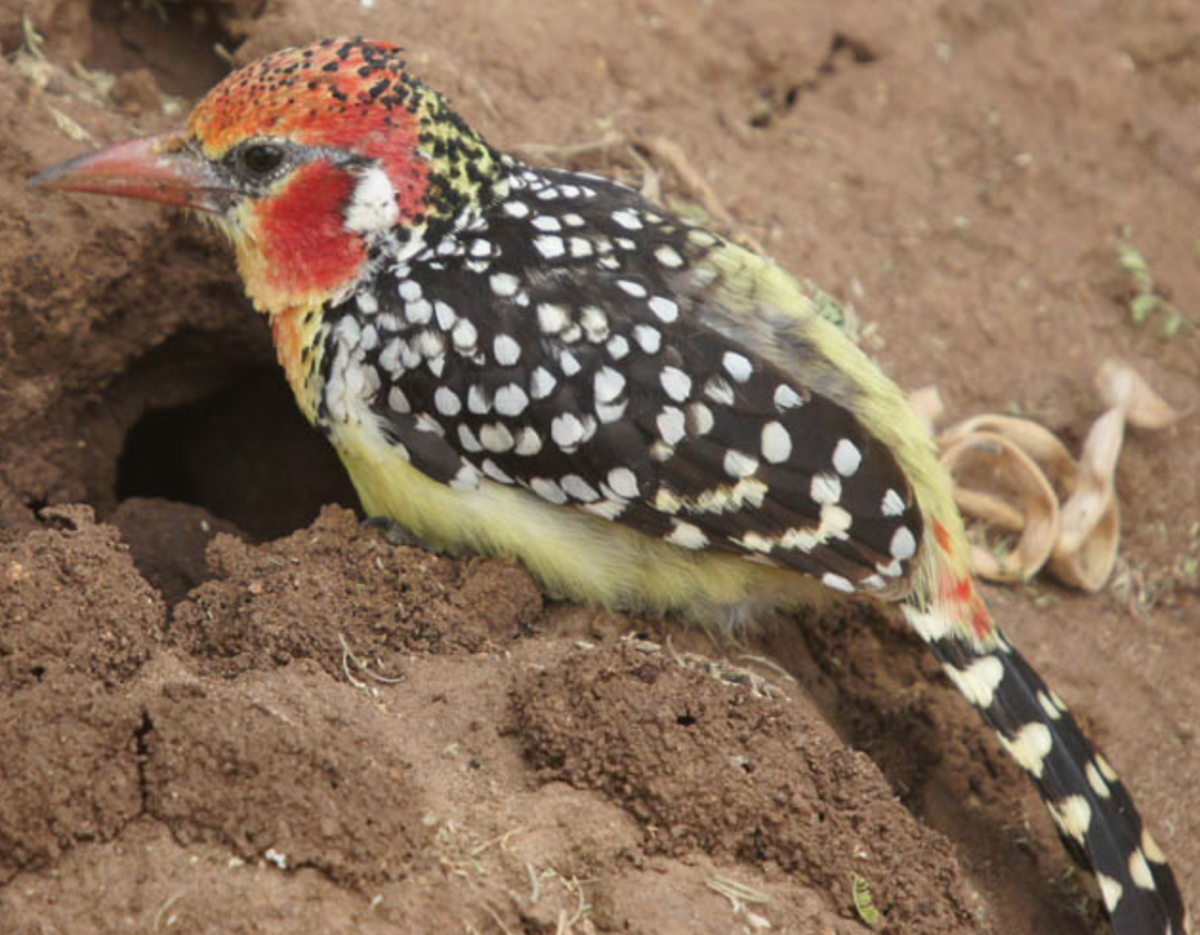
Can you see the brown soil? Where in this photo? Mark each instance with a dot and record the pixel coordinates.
(209, 728)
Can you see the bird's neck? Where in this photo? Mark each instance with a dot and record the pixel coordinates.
(464, 178)
(302, 332)
(464, 172)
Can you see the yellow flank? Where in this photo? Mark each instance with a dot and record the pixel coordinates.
(576, 555)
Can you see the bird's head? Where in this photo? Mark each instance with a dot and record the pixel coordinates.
(306, 159)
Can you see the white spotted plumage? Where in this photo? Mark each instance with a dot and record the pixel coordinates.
(504, 284)
(672, 427)
(737, 366)
(1030, 746)
(510, 400)
(776, 443)
(719, 391)
(506, 350)
(495, 437)
(666, 309)
(676, 383)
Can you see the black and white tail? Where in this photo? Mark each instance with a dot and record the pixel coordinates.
(1093, 811)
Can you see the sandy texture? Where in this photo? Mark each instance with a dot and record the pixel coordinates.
(225, 707)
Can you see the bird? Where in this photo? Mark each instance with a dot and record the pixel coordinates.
(541, 365)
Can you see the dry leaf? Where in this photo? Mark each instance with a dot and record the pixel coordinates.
(1037, 519)
(1122, 387)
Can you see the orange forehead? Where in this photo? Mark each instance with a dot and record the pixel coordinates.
(334, 93)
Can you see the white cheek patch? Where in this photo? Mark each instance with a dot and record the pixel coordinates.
(373, 206)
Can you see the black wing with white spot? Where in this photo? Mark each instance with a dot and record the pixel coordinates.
(562, 342)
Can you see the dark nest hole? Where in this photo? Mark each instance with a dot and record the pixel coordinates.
(243, 453)
(216, 426)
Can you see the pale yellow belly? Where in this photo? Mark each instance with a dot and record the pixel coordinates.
(575, 555)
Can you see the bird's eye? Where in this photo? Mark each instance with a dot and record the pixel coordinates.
(262, 158)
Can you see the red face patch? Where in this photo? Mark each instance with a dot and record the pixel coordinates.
(302, 235)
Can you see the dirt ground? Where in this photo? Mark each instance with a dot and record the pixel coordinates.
(224, 707)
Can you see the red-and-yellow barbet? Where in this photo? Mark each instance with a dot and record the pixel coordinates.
(541, 365)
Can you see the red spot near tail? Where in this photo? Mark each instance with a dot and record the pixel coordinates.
(960, 594)
(943, 536)
(981, 619)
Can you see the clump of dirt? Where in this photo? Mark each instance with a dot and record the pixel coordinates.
(228, 706)
(73, 605)
(380, 602)
(737, 777)
(294, 774)
(70, 772)
(167, 541)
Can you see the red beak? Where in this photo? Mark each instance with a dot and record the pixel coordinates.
(154, 168)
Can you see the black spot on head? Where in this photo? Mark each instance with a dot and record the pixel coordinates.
(330, 66)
